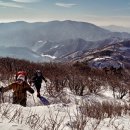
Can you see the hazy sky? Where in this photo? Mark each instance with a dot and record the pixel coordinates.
(99, 12)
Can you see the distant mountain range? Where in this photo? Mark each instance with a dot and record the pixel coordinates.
(77, 45)
(115, 28)
(26, 34)
(56, 38)
(117, 53)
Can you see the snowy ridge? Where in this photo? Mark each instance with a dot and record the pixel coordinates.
(58, 111)
(115, 54)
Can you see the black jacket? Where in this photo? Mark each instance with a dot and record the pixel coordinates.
(38, 79)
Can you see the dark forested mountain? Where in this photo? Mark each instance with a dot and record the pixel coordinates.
(27, 34)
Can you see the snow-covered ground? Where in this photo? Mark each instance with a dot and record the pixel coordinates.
(58, 115)
(105, 61)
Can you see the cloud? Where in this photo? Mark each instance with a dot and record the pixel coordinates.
(65, 5)
(26, 1)
(10, 4)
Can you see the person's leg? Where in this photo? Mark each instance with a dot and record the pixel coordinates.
(38, 87)
(20, 101)
(15, 100)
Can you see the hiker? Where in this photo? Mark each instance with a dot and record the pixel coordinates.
(20, 88)
(21, 73)
(37, 80)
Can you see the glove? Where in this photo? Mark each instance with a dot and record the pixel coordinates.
(45, 80)
(32, 91)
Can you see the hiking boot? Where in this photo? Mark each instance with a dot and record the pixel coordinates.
(38, 95)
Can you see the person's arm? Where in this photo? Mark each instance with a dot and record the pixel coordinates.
(32, 80)
(29, 89)
(9, 87)
(44, 78)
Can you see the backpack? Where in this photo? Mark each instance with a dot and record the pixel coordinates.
(21, 75)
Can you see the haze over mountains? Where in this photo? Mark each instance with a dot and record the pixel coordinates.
(115, 28)
(55, 38)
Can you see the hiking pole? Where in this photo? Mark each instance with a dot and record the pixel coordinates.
(32, 94)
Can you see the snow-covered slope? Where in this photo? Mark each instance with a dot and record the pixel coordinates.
(105, 62)
(59, 115)
(118, 55)
(83, 47)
